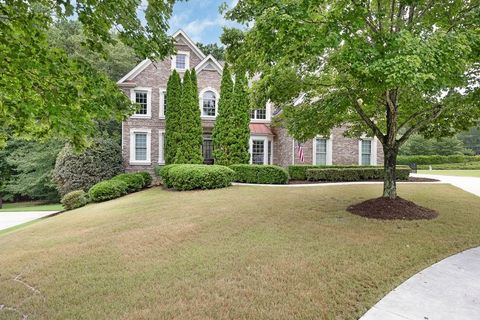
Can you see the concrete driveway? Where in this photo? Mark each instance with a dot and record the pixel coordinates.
(11, 219)
(448, 290)
(469, 184)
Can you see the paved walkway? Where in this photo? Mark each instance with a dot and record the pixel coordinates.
(469, 184)
(11, 219)
(448, 290)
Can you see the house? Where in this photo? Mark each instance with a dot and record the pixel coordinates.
(143, 133)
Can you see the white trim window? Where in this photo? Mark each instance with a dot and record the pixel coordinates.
(261, 150)
(258, 114)
(142, 97)
(140, 146)
(161, 146)
(162, 94)
(208, 102)
(181, 61)
(322, 151)
(367, 151)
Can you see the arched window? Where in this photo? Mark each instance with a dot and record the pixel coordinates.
(209, 104)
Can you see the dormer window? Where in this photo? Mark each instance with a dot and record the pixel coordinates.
(181, 61)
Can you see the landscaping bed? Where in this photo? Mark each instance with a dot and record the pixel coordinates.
(410, 179)
(391, 209)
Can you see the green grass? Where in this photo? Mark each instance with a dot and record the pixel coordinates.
(30, 206)
(235, 253)
(463, 173)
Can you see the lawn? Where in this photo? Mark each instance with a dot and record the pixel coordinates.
(463, 173)
(236, 253)
(30, 206)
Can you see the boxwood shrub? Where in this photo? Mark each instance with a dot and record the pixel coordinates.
(74, 199)
(147, 178)
(196, 176)
(436, 159)
(353, 174)
(108, 189)
(299, 172)
(268, 174)
(163, 173)
(134, 181)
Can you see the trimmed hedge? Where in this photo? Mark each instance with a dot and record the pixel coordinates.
(196, 176)
(147, 178)
(163, 173)
(299, 172)
(437, 159)
(452, 166)
(353, 174)
(108, 189)
(134, 181)
(268, 174)
(74, 199)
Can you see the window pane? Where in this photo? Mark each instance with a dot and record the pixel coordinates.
(180, 61)
(161, 146)
(164, 96)
(269, 152)
(258, 151)
(209, 103)
(141, 99)
(258, 114)
(366, 152)
(321, 151)
(140, 146)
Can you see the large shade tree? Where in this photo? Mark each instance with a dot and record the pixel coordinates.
(45, 92)
(387, 68)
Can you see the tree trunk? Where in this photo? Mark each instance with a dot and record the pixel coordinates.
(390, 179)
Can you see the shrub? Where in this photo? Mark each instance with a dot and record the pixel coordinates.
(163, 173)
(74, 199)
(106, 190)
(75, 171)
(196, 176)
(147, 178)
(299, 172)
(436, 159)
(251, 173)
(452, 166)
(353, 174)
(134, 181)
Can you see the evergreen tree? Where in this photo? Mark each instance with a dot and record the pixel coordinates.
(239, 130)
(219, 135)
(190, 127)
(172, 116)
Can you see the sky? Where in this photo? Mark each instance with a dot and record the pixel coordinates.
(200, 19)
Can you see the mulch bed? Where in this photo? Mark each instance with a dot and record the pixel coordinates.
(411, 179)
(392, 209)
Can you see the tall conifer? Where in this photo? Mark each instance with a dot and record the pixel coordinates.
(172, 116)
(220, 131)
(239, 129)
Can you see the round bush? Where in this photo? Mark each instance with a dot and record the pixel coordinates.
(267, 174)
(147, 178)
(163, 172)
(197, 176)
(74, 199)
(106, 190)
(134, 181)
(75, 171)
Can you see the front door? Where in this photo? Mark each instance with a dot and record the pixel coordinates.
(207, 149)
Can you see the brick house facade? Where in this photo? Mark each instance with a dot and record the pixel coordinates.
(143, 133)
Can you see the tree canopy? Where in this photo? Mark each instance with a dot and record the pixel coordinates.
(45, 92)
(218, 52)
(387, 68)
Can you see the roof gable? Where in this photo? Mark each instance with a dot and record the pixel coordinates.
(209, 63)
(180, 35)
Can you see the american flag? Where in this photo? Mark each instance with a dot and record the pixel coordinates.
(301, 156)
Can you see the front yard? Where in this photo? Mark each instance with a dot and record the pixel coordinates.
(235, 253)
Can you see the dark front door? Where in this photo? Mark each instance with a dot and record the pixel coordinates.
(207, 149)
